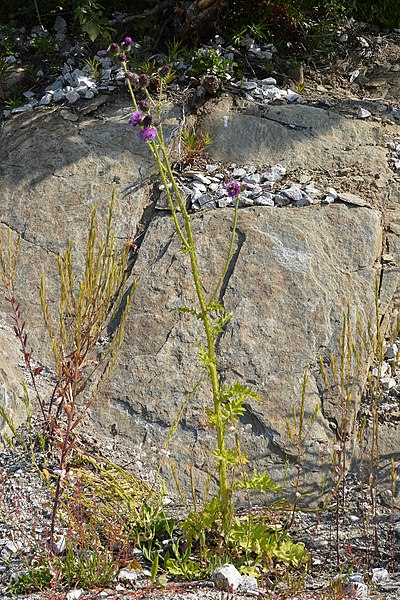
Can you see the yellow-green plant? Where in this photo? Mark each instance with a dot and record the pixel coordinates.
(342, 379)
(96, 306)
(298, 432)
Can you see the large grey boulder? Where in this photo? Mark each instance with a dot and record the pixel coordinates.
(291, 277)
(295, 135)
(289, 282)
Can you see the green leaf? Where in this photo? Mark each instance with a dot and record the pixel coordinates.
(154, 567)
(91, 29)
(261, 482)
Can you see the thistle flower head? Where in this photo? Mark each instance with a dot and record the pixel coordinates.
(148, 134)
(143, 105)
(114, 48)
(128, 41)
(144, 80)
(146, 121)
(103, 54)
(233, 188)
(135, 118)
(128, 75)
(122, 57)
(164, 70)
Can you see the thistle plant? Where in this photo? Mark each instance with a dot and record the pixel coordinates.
(228, 402)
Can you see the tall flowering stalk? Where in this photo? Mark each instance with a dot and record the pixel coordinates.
(228, 403)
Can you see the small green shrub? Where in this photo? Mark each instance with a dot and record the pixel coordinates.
(208, 61)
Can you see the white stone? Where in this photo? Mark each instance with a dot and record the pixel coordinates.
(292, 97)
(13, 547)
(202, 179)
(59, 95)
(81, 90)
(127, 575)
(29, 94)
(19, 109)
(379, 574)
(247, 583)
(72, 96)
(46, 99)
(363, 113)
(252, 179)
(391, 352)
(293, 192)
(256, 191)
(388, 383)
(385, 368)
(363, 42)
(265, 200)
(84, 80)
(56, 85)
(196, 185)
(312, 191)
(74, 594)
(353, 75)
(344, 38)
(304, 201)
(89, 94)
(249, 85)
(275, 173)
(268, 81)
(239, 172)
(224, 202)
(332, 192)
(211, 168)
(226, 578)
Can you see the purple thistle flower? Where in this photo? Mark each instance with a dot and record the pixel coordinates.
(128, 41)
(233, 188)
(114, 47)
(146, 121)
(164, 70)
(128, 75)
(103, 54)
(148, 134)
(122, 57)
(144, 105)
(144, 80)
(135, 119)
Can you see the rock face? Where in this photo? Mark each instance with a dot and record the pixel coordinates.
(296, 136)
(289, 281)
(11, 376)
(293, 272)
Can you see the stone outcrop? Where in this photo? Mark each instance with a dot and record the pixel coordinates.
(291, 277)
(292, 274)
